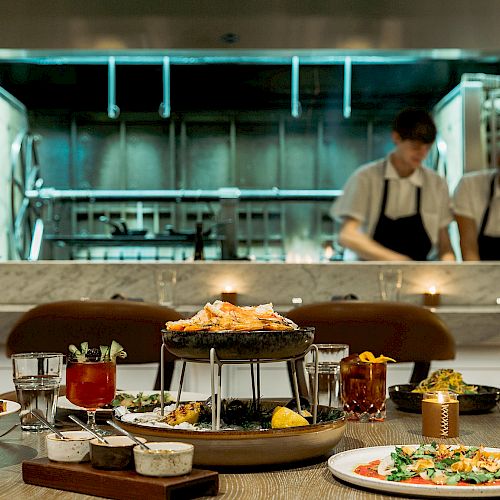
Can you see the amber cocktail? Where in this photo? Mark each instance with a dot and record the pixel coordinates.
(363, 389)
(91, 385)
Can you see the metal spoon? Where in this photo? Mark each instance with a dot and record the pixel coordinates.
(39, 415)
(88, 429)
(126, 433)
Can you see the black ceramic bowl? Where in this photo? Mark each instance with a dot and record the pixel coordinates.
(116, 455)
(485, 400)
(239, 345)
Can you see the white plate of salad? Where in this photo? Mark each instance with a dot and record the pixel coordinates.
(429, 470)
(136, 401)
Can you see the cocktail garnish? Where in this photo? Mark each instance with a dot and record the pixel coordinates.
(101, 353)
(368, 357)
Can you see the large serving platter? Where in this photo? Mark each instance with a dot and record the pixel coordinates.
(343, 464)
(12, 407)
(485, 400)
(247, 448)
(239, 345)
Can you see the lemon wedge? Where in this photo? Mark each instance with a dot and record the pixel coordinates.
(368, 357)
(284, 417)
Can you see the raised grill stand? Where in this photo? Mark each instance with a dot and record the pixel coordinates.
(216, 365)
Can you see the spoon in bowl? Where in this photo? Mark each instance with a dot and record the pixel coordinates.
(126, 433)
(38, 415)
(88, 429)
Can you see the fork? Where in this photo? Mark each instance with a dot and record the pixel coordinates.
(9, 430)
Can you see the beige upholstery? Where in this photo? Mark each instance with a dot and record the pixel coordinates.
(135, 325)
(405, 332)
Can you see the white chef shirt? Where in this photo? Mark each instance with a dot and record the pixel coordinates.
(471, 199)
(363, 192)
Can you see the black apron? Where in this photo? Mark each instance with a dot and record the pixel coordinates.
(406, 235)
(489, 246)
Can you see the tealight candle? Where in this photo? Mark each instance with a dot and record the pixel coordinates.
(440, 414)
(229, 295)
(432, 297)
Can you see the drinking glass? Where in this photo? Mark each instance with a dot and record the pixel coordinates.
(37, 376)
(329, 356)
(390, 282)
(91, 385)
(165, 287)
(363, 389)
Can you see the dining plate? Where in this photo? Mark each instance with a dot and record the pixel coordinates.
(239, 345)
(343, 464)
(229, 448)
(485, 400)
(65, 404)
(12, 407)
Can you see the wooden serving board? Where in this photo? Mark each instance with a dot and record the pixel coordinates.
(126, 484)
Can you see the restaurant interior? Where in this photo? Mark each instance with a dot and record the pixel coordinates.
(163, 165)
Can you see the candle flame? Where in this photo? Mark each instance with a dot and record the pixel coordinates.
(228, 288)
(432, 290)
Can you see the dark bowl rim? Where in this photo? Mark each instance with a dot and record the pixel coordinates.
(306, 329)
(392, 389)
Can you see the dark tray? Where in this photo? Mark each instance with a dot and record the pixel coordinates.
(122, 484)
(239, 345)
(485, 400)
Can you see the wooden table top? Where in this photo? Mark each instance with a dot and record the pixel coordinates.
(305, 481)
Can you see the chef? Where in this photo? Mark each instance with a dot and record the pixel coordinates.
(477, 211)
(395, 209)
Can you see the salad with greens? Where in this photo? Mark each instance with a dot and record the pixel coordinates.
(441, 464)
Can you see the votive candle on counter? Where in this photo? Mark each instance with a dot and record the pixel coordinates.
(440, 414)
(432, 297)
(229, 295)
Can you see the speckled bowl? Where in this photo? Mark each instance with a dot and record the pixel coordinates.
(485, 400)
(116, 455)
(75, 448)
(239, 345)
(164, 459)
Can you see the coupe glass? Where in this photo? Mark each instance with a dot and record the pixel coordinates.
(91, 385)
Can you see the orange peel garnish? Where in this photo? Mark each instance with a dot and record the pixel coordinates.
(368, 357)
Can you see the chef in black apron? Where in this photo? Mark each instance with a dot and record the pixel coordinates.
(406, 235)
(489, 246)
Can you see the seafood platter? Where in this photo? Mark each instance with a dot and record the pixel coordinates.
(232, 432)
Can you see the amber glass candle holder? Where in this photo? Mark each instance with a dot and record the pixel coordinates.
(440, 414)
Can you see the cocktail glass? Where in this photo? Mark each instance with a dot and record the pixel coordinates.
(91, 385)
(363, 389)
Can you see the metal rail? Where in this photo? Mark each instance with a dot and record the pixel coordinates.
(182, 195)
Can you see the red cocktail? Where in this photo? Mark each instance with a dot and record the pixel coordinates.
(363, 389)
(91, 384)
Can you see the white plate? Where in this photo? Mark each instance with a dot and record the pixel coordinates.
(343, 464)
(65, 404)
(12, 407)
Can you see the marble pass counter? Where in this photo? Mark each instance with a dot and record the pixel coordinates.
(468, 291)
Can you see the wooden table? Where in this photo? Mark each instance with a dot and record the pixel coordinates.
(304, 482)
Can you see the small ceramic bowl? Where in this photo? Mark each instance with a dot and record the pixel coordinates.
(74, 449)
(164, 459)
(116, 455)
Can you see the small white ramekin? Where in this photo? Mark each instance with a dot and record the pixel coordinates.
(164, 459)
(74, 449)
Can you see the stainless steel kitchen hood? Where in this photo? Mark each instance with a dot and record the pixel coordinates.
(259, 24)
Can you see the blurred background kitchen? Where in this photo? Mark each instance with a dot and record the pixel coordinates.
(132, 132)
(124, 125)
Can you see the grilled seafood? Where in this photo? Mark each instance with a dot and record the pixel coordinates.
(222, 316)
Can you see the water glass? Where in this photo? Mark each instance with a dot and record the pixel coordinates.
(37, 376)
(329, 356)
(165, 287)
(390, 282)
